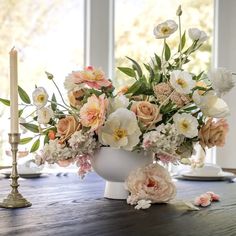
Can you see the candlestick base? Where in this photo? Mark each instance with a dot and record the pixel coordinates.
(15, 200)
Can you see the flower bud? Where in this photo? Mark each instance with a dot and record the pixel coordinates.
(179, 11)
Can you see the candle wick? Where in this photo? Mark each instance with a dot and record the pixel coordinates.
(13, 48)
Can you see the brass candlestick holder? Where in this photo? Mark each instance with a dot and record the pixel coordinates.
(14, 199)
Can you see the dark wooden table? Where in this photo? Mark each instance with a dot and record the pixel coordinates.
(69, 206)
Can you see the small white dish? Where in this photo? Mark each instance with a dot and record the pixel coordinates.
(7, 173)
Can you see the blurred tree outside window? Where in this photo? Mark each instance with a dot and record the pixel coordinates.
(49, 37)
(134, 23)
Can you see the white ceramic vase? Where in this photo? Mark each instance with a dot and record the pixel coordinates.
(114, 165)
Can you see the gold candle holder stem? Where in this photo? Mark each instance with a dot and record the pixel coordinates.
(14, 198)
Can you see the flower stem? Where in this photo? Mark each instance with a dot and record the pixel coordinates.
(60, 93)
(180, 44)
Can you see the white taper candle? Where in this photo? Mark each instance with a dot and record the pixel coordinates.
(14, 91)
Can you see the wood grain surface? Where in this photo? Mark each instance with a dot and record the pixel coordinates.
(67, 206)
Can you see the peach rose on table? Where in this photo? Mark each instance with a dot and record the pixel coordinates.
(92, 113)
(94, 78)
(152, 182)
(146, 112)
(66, 127)
(213, 133)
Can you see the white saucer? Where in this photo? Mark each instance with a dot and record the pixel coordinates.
(7, 173)
(193, 176)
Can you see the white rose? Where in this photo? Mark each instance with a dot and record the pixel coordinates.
(44, 115)
(196, 34)
(40, 97)
(211, 105)
(222, 80)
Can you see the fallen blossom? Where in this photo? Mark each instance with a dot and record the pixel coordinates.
(143, 204)
(214, 196)
(203, 200)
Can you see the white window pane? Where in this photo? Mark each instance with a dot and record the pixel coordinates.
(134, 23)
(49, 36)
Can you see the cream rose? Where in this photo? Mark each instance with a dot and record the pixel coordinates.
(146, 112)
(66, 127)
(152, 182)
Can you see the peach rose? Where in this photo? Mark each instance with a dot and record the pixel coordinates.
(92, 113)
(66, 127)
(152, 182)
(213, 133)
(75, 97)
(146, 112)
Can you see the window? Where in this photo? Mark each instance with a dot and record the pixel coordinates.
(134, 23)
(50, 37)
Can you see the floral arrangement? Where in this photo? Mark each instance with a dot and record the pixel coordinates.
(167, 110)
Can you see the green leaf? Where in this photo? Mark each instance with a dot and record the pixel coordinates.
(167, 52)
(25, 140)
(136, 67)
(20, 112)
(35, 146)
(198, 77)
(46, 139)
(135, 86)
(23, 95)
(54, 102)
(5, 101)
(190, 108)
(158, 60)
(183, 41)
(49, 75)
(33, 128)
(128, 71)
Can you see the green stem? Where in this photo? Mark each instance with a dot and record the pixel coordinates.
(60, 93)
(180, 44)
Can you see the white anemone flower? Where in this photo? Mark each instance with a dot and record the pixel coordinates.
(44, 115)
(119, 101)
(186, 124)
(211, 105)
(165, 29)
(40, 97)
(121, 130)
(181, 81)
(197, 34)
(222, 80)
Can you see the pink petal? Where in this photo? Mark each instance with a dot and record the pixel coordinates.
(214, 196)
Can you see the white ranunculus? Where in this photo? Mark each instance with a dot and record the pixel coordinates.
(196, 34)
(222, 81)
(181, 81)
(40, 97)
(211, 105)
(119, 101)
(121, 130)
(165, 29)
(44, 115)
(186, 124)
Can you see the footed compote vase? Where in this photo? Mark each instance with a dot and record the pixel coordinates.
(114, 165)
